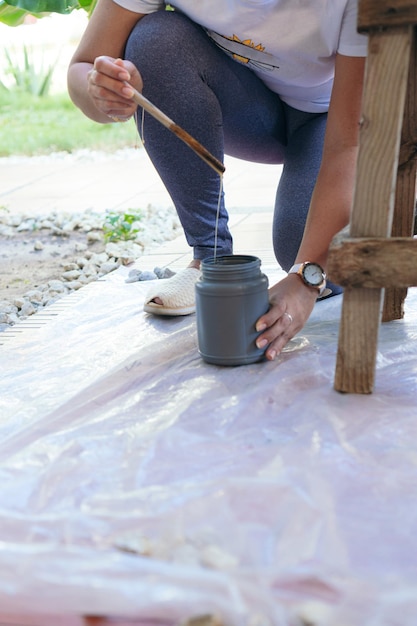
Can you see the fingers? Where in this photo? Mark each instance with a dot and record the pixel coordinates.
(113, 68)
(277, 335)
(109, 89)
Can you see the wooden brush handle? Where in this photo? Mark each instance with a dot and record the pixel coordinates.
(178, 131)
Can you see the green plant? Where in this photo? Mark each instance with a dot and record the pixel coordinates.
(32, 126)
(28, 76)
(12, 16)
(13, 12)
(121, 226)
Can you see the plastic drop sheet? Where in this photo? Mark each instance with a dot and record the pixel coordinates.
(137, 480)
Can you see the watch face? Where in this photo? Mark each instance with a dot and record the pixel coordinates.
(313, 274)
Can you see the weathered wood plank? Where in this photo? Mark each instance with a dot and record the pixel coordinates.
(380, 133)
(358, 341)
(386, 14)
(403, 223)
(373, 205)
(373, 262)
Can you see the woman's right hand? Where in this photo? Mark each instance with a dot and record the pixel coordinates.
(108, 87)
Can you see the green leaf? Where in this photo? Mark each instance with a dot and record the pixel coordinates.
(11, 16)
(44, 6)
(12, 12)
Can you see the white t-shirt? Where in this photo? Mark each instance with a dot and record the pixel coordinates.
(290, 44)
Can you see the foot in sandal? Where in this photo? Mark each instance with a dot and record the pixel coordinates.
(173, 296)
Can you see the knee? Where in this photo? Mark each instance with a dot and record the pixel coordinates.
(157, 40)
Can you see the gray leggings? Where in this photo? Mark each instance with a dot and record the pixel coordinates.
(228, 110)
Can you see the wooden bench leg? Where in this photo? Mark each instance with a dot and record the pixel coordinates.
(358, 340)
(373, 207)
(405, 197)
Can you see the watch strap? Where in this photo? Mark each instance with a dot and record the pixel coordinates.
(298, 269)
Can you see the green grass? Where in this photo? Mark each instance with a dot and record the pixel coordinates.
(31, 125)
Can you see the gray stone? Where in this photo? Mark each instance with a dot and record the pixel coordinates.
(34, 295)
(71, 275)
(133, 276)
(109, 266)
(148, 275)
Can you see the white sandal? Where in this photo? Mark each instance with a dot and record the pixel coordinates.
(177, 294)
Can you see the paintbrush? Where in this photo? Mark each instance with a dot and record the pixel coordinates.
(178, 131)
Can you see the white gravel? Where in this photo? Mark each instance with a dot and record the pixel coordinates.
(156, 226)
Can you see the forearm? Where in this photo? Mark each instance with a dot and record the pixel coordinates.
(97, 76)
(291, 301)
(78, 91)
(330, 205)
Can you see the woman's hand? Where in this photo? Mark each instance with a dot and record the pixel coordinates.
(291, 303)
(108, 86)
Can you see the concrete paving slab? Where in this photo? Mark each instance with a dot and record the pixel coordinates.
(120, 181)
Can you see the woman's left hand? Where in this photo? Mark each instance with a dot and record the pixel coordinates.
(291, 303)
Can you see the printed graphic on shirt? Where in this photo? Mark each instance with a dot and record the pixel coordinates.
(249, 44)
(245, 51)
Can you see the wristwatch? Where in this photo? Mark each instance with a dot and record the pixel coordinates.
(312, 274)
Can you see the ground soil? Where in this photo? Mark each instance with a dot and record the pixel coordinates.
(22, 267)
